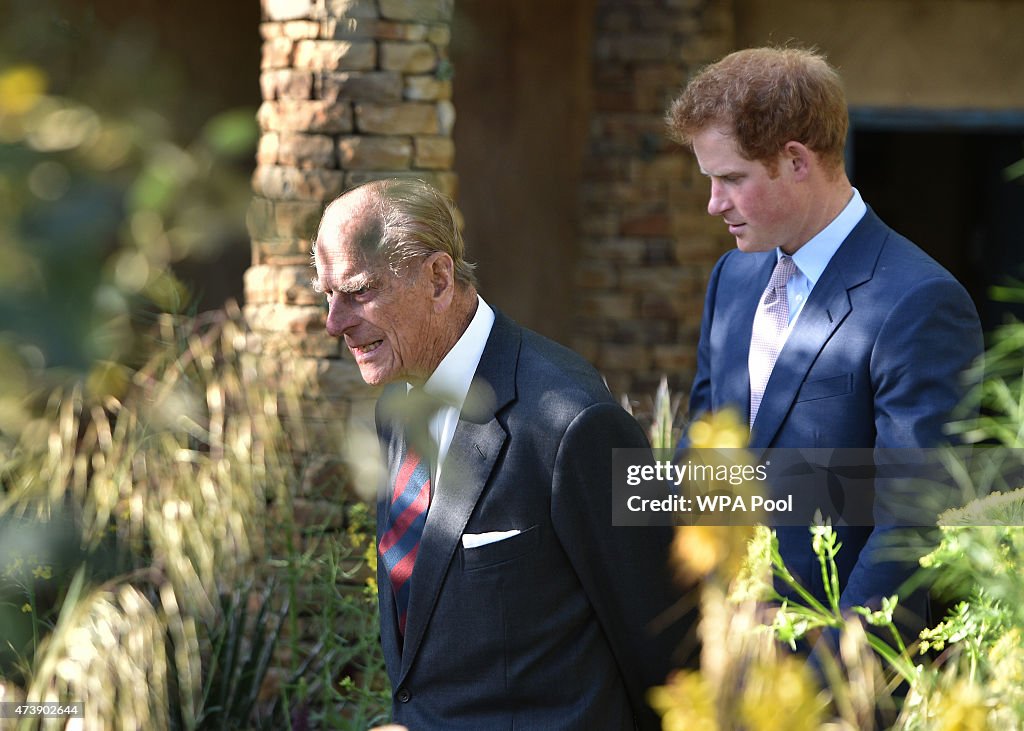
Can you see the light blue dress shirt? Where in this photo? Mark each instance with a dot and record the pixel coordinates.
(812, 258)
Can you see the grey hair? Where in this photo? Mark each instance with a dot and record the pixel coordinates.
(416, 219)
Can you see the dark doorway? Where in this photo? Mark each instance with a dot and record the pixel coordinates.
(941, 180)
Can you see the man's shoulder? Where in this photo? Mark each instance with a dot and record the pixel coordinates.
(902, 258)
(540, 384)
(547, 364)
(557, 390)
(550, 375)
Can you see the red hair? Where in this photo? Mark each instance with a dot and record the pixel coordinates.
(767, 97)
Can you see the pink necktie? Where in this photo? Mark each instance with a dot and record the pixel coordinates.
(767, 336)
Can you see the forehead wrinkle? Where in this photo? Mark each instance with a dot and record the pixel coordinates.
(339, 272)
(354, 218)
(349, 232)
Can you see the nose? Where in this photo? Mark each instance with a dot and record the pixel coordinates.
(340, 316)
(719, 202)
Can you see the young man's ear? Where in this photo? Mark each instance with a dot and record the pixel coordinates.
(798, 158)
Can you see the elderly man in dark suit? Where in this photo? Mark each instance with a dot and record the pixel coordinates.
(507, 598)
(825, 328)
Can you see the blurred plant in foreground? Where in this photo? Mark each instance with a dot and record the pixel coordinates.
(175, 504)
(98, 199)
(965, 673)
(981, 679)
(168, 488)
(150, 467)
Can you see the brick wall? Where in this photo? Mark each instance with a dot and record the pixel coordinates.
(647, 244)
(353, 90)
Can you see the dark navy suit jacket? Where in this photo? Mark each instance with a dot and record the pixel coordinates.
(874, 360)
(552, 628)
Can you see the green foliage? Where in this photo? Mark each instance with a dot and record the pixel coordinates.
(996, 405)
(41, 550)
(966, 672)
(663, 428)
(341, 683)
(148, 463)
(242, 649)
(1014, 171)
(136, 462)
(165, 496)
(100, 195)
(796, 619)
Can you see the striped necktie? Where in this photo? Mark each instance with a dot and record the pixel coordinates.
(768, 334)
(406, 516)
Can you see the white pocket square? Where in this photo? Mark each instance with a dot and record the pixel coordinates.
(475, 540)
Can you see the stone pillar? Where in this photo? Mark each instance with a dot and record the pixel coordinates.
(353, 90)
(648, 244)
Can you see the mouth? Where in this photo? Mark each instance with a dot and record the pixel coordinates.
(363, 350)
(734, 228)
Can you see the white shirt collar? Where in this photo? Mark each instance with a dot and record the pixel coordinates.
(451, 380)
(812, 258)
(454, 374)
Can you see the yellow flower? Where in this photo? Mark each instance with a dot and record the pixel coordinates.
(754, 578)
(962, 709)
(721, 430)
(43, 572)
(20, 89)
(687, 703)
(26, 608)
(14, 566)
(1007, 663)
(781, 696)
(697, 550)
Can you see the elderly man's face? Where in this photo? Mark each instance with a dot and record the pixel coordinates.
(387, 320)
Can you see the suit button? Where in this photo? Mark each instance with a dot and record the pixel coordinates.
(403, 695)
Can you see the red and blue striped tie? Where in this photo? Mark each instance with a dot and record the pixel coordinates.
(401, 540)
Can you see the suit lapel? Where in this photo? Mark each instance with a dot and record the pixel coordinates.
(471, 459)
(735, 383)
(825, 310)
(822, 314)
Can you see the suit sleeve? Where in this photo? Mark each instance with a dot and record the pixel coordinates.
(624, 570)
(930, 337)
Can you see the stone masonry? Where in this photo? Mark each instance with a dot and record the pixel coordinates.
(353, 90)
(647, 244)
(356, 90)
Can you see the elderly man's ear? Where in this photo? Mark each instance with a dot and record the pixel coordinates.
(441, 272)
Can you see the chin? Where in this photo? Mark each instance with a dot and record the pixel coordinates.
(751, 247)
(373, 377)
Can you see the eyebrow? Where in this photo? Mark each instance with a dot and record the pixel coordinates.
(354, 284)
(350, 286)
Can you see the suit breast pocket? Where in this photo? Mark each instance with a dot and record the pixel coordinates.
(826, 388)
(500, 551)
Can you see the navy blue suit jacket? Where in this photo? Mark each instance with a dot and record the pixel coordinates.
(874, 360)
(552, 628)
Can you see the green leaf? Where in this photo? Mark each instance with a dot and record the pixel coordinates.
(232, 133)
(1015, 171)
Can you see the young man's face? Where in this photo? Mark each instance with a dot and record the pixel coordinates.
(763, 208)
